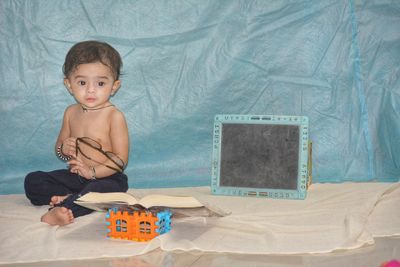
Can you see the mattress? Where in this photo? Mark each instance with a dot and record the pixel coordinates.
(333, 217)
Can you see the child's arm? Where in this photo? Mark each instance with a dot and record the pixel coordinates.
(65, 144)
(119, 136)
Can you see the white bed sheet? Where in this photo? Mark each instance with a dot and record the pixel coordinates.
(332, 217)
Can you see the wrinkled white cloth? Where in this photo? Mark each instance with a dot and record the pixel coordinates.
(332, 217)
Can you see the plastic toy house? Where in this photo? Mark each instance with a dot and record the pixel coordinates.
(137, 225)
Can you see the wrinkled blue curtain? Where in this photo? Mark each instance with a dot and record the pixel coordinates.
(336, 62)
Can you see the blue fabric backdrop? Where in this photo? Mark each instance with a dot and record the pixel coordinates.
(336, 62)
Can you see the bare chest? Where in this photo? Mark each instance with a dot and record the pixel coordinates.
(93, 125)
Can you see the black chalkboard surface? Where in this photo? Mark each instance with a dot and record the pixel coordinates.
(260, 156)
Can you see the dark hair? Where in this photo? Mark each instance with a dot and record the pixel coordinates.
(91, 52)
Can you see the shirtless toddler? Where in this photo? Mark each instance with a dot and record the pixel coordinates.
(93, 139)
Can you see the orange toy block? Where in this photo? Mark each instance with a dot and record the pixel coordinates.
(138, 225)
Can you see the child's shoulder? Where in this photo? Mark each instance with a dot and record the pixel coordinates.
(116, 113)
(73, 108)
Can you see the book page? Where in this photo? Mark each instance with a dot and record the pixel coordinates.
(169, 201)
(99, 206)
(119, 197)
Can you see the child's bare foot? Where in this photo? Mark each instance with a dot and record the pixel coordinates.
(58, 216)
(56, 200)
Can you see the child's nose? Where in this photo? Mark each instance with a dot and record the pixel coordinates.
(90, 88)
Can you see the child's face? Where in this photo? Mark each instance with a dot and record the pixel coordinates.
(92, 84)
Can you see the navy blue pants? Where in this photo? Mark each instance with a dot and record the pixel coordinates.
(41, 186)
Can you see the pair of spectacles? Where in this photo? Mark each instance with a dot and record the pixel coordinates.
(82, 143)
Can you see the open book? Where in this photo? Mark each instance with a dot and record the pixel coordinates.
(179, 205)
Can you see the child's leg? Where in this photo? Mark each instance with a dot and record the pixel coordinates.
(115, 183)
(40, 187)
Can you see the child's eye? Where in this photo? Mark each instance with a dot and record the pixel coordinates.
(81, 82)
(102, 83)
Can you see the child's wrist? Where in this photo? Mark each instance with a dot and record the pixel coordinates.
(93, 171)
(61, 155)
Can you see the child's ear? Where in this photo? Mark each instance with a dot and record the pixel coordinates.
(67, 85)
(116, 86)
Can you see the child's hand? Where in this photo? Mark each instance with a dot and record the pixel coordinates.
(80, 168)
(68, 147)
